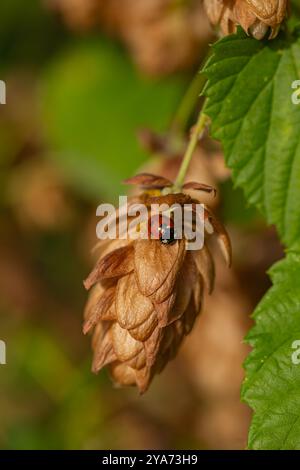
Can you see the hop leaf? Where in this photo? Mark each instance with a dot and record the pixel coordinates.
(272, 383)
(249, 101)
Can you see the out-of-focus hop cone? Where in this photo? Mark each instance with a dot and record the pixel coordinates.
(259, 18)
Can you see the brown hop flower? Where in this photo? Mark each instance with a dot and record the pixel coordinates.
(147, 293)
(256, 17)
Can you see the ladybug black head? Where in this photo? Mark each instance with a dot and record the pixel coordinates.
(162, 228)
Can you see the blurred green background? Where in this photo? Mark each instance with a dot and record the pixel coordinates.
(75, 101)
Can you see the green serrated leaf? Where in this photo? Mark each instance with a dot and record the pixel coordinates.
(272, 384)
(249, 94)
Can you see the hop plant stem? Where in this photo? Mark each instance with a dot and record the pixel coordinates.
(187, 105)
(196, 135)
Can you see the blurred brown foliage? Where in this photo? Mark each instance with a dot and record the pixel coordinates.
(163, 36)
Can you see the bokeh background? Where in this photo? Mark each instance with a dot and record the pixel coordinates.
(97, 89)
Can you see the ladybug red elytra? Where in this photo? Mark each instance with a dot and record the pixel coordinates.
(161, 227)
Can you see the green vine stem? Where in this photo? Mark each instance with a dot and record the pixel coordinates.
(196, 135)
(187, 105)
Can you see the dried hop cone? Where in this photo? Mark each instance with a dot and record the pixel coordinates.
(146, 293)
(257, 17)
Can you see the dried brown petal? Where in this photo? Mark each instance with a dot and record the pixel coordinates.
(205, 266)
(185, 284)
(127, 349)
(152, 346)
(272, 12)
(143, 379)
(104, 247)
(117, 263)
(101, 309)
(104, 352)
(94, 295)
(166, 289)
(190, 316)
(255, 16)
(132, 307)
(170, 199)
(200, 187)
(122, 374)
(163, 309)
(198, 293)
(154, 262)
(222, 237)
(149, 181)
(145, 330)
(259, 30)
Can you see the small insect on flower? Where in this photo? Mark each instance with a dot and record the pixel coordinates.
(146, 293)
(161, 227)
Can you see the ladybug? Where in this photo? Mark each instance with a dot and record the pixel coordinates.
(162, 228)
